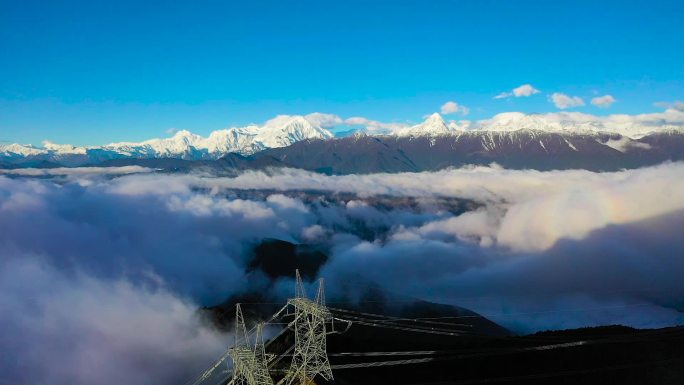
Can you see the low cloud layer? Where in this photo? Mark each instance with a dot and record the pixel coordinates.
(105, 271)
(76, 171)
(552, 205)
(62, 328)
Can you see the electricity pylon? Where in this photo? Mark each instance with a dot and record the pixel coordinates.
(261, 359)
(249, 367)
(310, 357)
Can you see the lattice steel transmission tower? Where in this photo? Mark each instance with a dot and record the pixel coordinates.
(310, 357)
(261, 373)
(249, 365)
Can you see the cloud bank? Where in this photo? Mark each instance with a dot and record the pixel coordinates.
(74, 329)
(100, 275)
(76, 171)
(551, 205)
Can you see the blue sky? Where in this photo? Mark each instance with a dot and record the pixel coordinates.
(90, 72)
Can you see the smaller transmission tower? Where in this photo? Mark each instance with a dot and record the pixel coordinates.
(309, 358)
(249, 367)
(261, 359)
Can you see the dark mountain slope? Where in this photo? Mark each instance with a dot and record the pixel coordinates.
(522, 149)
(525, 149)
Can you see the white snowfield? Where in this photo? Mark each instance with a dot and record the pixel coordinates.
(285, 130)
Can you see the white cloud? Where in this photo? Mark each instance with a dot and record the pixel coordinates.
(564, 101)
(624, 143)
(313, 233)
(323, 120)
(524, 90)
(676, 105)
(235, 209)
(451, 107)
(374, 126)
(604, 101)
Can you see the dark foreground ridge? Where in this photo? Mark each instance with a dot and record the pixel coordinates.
(363, 354)
(485, 353)
(605, 355)
(394, 340)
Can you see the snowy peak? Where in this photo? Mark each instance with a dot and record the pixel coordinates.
(285, 130)
(434, 120)
(14, 150)
(433, 125)
(63, 148)
(557, 123)
(185, 136)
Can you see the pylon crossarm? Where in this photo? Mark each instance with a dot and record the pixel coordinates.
(310, 306)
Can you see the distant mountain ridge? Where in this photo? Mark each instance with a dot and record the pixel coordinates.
(522, 149)
(513, 140)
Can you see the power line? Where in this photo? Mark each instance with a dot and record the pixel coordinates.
(374, 354)
(475, 297)
(507, 314)
(400, 318)
(382, 363)
(309, 355)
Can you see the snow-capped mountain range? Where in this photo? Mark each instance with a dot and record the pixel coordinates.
(286, 130)
(278, 132)
(630, 126)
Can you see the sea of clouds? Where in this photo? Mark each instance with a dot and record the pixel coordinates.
(102, 270)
